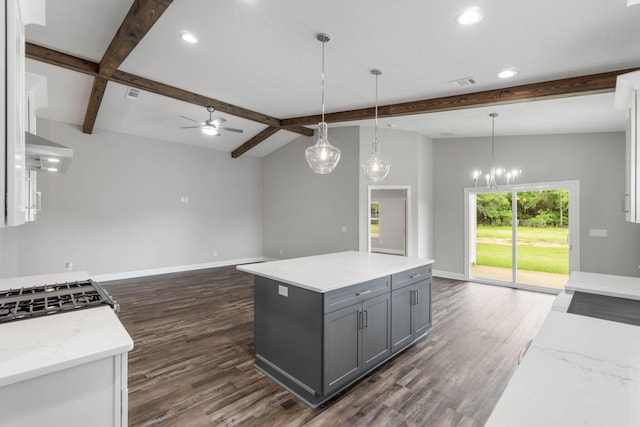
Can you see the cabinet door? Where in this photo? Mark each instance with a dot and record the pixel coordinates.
(342, 346)
(401, 331)
(376, 324)
(421, 308)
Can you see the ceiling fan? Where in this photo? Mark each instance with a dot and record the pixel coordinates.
(211, 126)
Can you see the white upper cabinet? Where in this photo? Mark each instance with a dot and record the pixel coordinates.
(627, 87)
(13, 115)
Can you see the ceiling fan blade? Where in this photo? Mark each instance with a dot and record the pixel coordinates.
(230, 129)
(218, 121)
(189, 118)
(190, 127)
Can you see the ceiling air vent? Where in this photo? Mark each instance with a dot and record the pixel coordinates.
(467, 81)
(132, 93)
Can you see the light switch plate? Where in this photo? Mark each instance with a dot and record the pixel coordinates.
(594, 232)
(283, 290)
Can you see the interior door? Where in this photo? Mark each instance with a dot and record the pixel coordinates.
(388, 221)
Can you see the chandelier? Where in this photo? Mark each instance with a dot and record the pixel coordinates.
(497, 175)
(376, 168)
(322, 157)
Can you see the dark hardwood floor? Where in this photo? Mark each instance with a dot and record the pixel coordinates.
(192, 364)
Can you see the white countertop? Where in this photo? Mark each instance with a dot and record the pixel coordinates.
(579, 371)
(33, 347)
(42, 279)
(323, 273)
(604, 284)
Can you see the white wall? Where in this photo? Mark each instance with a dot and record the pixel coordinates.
(411, 156)
(596, 160)
(117, 208)
(304, 212)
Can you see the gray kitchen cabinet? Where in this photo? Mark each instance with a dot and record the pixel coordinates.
(356, 338)
(410, 307)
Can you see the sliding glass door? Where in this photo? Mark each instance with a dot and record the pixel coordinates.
(522, 235)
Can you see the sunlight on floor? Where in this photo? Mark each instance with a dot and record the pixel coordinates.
(547, 280)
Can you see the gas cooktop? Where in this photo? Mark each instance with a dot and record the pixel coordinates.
(29, 302)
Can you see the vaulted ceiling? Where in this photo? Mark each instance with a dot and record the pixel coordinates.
(258, 63)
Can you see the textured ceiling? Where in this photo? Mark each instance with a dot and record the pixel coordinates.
(263, 55)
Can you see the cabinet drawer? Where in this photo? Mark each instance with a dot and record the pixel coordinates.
(335, 300)
(409, 277)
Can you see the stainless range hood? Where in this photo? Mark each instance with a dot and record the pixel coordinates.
(43, 155)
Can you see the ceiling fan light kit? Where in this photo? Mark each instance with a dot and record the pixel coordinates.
(376, 168)
(211, 126)
(322, 157)
(497, 175)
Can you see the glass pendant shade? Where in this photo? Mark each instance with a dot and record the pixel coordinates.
(376, 169)
(322, 157)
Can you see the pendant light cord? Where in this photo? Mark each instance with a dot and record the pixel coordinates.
(323, 42)
(375, 141)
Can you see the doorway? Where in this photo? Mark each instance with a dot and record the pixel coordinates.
(524, 236)
(388, 225)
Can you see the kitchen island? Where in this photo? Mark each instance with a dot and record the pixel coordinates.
(322, 322)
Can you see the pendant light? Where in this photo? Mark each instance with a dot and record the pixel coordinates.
(322, 157)
(376, 168)
(497, 175)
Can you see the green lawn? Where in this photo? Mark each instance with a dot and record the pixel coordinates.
(539, 249)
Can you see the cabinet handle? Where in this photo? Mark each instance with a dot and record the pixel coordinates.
(365, 322)
(362, 293)
(417, 297)
(359, 319)
(415, 275)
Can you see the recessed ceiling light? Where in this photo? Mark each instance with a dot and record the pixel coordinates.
(52, 169)
(508, 73)
(470, 16)
(189, 38)
(53, 160)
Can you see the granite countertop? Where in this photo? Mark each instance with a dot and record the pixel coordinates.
(604, 284)
(323, 273)
(42, 345)
(579, 371)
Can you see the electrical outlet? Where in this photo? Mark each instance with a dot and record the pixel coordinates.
(68, 266)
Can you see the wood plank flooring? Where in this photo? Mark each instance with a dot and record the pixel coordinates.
(192, 364)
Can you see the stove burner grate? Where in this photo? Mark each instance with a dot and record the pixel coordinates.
(25, 303)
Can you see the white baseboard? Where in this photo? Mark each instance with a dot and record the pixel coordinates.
(448, 275)
(174, 269)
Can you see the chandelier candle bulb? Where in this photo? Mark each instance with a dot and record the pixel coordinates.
(496, 175)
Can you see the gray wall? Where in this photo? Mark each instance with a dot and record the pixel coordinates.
(412, 158)
(118, 209)
(596, 160)
(303, 212)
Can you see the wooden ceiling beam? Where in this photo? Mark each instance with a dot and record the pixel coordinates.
(59, 59)
(266, 133)
(573, 86)
(142, 15)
